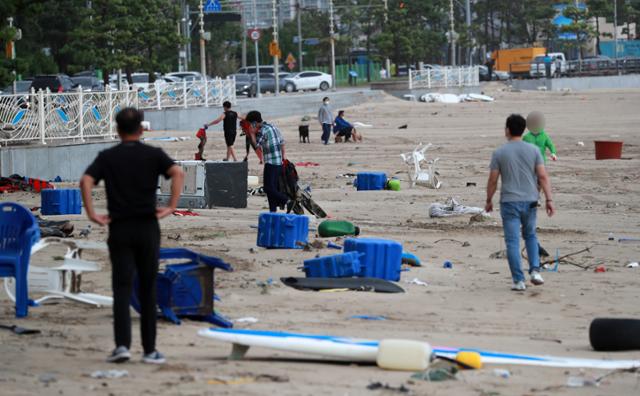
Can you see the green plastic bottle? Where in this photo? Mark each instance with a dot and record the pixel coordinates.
(336, 228)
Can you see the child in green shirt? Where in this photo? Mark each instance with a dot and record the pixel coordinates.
(538, 137)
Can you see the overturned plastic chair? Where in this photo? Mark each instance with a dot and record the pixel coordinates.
(18, 232)
(415, 160)
(186, 289)
(63, 281)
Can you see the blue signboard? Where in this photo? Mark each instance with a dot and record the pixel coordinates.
(212, 6)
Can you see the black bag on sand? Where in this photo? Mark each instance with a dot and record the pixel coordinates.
(607, 334)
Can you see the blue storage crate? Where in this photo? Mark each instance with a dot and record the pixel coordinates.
(382, 258)
(60, 202)
(284, 231)
(336, 266)
(370, 181)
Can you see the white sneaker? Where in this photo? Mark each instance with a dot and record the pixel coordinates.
(536, 278)
(519, 286)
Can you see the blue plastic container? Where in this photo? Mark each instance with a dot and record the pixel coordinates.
(60, 202)
(367, 181)
(336, 266)
(382, 258)
(284, 231)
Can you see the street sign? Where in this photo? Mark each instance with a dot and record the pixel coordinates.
(254, 34)
(274, 49)
(290, 58)
(212, 6)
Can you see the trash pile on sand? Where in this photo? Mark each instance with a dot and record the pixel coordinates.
(453, 98)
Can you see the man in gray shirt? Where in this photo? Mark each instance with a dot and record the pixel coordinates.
(521, 167)
(325, 117)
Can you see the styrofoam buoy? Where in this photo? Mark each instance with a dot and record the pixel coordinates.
(405, 355)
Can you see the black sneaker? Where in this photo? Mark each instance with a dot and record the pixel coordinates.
(154, 357)
(119, 355)
(290, 204)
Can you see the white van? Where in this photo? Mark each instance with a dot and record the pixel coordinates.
(558, 65)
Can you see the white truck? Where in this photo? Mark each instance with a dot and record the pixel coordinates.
(558, 65)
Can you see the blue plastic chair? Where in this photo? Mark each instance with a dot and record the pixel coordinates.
(18, 232)
(186, 289)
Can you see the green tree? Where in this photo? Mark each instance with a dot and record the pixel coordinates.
(579, 26)
(597, 9)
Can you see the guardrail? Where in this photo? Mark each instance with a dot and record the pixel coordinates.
(445, 77)
(75, 116)
(162, 95)
(579, 68)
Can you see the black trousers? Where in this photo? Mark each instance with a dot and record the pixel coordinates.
(272, 186)
(134, 247)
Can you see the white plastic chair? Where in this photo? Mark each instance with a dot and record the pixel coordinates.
(62, 281)
(417, 175)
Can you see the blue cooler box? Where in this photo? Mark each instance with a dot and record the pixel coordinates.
(367, 181)
(279, 230)
(60, 202)
(382, 258)
(336, 266)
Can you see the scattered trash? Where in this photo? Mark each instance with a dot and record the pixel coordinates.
(55, 228)
(502, 254)
(166, 139)
(453, 98)
(600, 268)
(257, 191)
(628, 240)
(447, 264)
(16, 183)
(109, 374)
(85, 231)
(337, 228)
(185, 213)
(307, 164)
(174, 237)
(416, 281)
(471, 184)
(248, 380)
(411, 259)
(437, 374)
(632, 265)
(332, 245)
(346, 175)
(367, 317)
(480, 218)
(611, 237)
(248, 319)
(381, 386)
(393, 185)
(451, 208)
(409, 97)
(502, 373)
(415, 160)
(361, 125)
(47, 378)
(463, 244)
(266, 285)
(581, 144)
(19, 330)
(580, 382)
(405, 126)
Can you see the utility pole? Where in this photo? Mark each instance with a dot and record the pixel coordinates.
(12, 43)
(615, 32)
(467, 10)
(387, 61)
(187, 29)
(452, 38)
(276, 68)
(299, 17)
(203, 56)
(333, 47)
(255, 43)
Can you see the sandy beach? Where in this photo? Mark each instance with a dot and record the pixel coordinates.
(470, 305)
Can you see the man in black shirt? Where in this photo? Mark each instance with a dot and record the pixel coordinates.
(229, 121)
(130, 172)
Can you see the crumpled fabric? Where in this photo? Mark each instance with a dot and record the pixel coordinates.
(451, 208)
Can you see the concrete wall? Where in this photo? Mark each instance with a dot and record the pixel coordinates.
(581, 83)
(271, 107)
(48, 162)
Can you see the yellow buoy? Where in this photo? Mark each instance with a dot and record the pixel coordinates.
(469, 359)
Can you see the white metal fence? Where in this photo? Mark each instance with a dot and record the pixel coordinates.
(46, 117)
(76, 116)
(210, 92)
(445, 77)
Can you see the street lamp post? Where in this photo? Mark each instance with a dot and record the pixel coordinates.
(12, 44)
(276, 71)
(333, 46)
(299, 17)
(203, 59)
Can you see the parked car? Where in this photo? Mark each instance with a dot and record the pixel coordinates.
(22, 86)
(244, 84)
(88, 83)
(496, 75)
(263, 70)
(188, 75)
(558, 65)
(55, 83)
(308, 80)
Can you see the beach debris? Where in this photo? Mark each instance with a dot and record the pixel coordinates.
(632, 265)
(174, 237)
(462, 243)
(415, 160)
(447, 264)
(361, 125)
(47, 378)
(499, 255)
(472, 184)
(405, 126)
(453, 98)
(410, 98)
(166, 138)
(411, 259)
(480, 218)
(247, 319)
(182, 213)
(109, 374)
(256, 191)
(600, 268)
(452, 208)
(381, 386)
(332, 245)
(628, 240)
(307, 164)
(416, 281)
(248, 379)
(19, 330)
(367, 317)
(502, 373)
(55, 228)
(581, 144)
(437, 374)
(85, 231)
(346, 175)
(581, 382)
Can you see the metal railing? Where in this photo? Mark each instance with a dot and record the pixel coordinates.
(578, 68)
(162, 95)
(75, 116)
(445, 77)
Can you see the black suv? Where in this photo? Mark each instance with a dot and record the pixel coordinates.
(55, 83)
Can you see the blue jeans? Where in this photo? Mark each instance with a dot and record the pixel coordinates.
(517, 216)
(326, 133)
